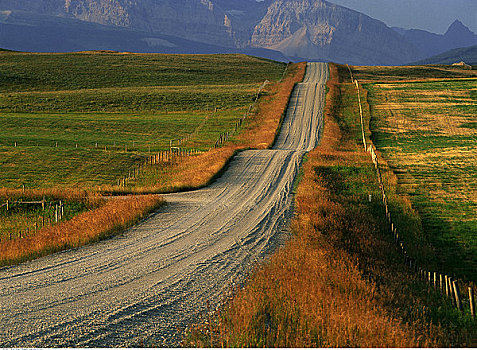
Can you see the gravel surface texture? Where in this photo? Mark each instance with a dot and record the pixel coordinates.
(143, 287)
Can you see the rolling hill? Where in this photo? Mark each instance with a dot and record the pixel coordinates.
(466, 54)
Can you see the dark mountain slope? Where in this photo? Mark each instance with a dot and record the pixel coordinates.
(24, 31)
(466, 54)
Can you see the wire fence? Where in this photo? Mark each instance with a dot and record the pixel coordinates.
(449, 286)
(47, 217)
(176, 153)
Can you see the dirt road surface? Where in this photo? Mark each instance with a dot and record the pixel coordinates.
(142, 287)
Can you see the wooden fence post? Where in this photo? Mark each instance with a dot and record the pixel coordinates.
(451, 291)
(472, 302)
(457, 296)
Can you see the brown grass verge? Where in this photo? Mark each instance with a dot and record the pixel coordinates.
(339, 282)
(115, 215)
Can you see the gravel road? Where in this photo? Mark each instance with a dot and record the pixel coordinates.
(145, 285)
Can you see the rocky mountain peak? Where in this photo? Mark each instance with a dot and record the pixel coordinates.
(320, 30)
(457, 27)
(459, 35)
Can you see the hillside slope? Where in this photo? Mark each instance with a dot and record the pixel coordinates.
(466, 54)
(27, 31)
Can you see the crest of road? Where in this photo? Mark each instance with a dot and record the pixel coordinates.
(159, 276)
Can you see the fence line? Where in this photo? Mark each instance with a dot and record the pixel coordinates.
(176, 153)
(447, 285)
(361, 115)
(285, 71)
(57, 215)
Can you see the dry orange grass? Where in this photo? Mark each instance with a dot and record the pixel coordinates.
(116, 214)
(337, 283)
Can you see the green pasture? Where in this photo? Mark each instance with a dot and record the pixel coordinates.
(76, 71)
(86, 119)
(426, 131)
(391, 73)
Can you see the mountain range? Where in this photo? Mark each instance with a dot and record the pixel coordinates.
(457, 36)
(312, 30)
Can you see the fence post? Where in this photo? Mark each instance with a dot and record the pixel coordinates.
(472, 302)
(457, 296)
(451, 291)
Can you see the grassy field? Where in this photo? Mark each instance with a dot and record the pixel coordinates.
(100, 114)
(71, 125)
(340, 281)
(425, 129)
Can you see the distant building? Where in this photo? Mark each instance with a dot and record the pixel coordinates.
(463, 65)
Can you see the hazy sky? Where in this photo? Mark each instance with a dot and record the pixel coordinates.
(431, 15)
